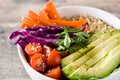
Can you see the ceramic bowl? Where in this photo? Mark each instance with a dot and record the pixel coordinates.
(69, 11)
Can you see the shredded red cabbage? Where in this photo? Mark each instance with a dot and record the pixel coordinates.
(43, 35)
(84, 26)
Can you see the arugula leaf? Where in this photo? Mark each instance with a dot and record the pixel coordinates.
(82, 39)
(69, 30)
(67, 39)
(73, 30)
(82, 35)
(65, 43)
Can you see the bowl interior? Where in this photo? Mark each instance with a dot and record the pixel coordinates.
(70, 11)
(98, 13)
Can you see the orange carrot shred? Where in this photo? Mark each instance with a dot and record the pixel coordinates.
(75, 24)
(23, 25)
(86, 29)
(33, 15)
(51, 10)
(38, 18)
(48, 16)
(27, 20)
(43, 14)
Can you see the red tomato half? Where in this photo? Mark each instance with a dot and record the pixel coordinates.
(54, 73)
(54, 58)
(46, 50)
(38, 62)
(33, 48)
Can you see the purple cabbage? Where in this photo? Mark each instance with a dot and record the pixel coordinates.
(43, 35)
(84, 26)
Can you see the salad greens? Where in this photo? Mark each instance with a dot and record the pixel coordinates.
(72, 36)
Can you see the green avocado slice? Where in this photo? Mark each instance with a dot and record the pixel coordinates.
(81, 71)
(107, 65)
(76, 64)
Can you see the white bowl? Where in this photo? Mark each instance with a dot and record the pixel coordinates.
(69, 11)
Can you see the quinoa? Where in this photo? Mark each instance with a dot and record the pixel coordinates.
(94, 24)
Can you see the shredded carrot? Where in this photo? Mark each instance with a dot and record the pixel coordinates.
(86, 29)
(23, 25)
(39, 19)
(51, 10)
(43, 14)
(29, 22)
(48, 16)
(75, 24)
(33, 15)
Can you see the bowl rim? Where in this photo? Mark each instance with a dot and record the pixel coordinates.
(21, 52)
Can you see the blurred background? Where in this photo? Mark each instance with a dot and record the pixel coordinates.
(11, 12)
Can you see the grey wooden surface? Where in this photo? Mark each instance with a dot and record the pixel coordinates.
(11, 12)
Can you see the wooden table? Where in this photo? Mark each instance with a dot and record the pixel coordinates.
(11, 12)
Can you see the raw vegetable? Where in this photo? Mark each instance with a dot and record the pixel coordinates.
(43, 13)
(78, 37)
(53, 58)
(46, 50)
(33, 48)
(93, 60)
(30, 22)
(54, 73)
(43, 35)
(75, 24)
(112, 60)
(38, 62)
(51, 10)
(39, 19)
(48, 16)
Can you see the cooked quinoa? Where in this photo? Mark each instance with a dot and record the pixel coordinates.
(94, 24)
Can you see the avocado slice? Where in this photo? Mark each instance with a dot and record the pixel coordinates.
(72, 57)
(95, 39)
(81, 71)
(102, 53)
(76, 64)
(107, 65)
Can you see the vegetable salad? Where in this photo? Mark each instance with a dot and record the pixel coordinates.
(46, 38)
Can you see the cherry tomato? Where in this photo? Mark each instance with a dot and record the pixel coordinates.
(38, 62)
(33, 48)
(54, 58)
(54, 73)
(46, 50)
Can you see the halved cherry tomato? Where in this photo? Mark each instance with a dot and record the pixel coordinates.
(38, 62)
(54, 73)
(46, 50)
(54, 58)
(33, 48)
